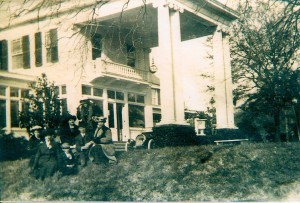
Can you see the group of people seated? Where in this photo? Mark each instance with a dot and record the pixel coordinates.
(69, 148)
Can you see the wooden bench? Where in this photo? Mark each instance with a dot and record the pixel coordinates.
(230, 141)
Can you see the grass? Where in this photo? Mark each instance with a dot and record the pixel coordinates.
(247, 172)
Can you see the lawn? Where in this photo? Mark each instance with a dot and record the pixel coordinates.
(247, 172)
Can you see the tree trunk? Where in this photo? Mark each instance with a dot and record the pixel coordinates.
(277, 126)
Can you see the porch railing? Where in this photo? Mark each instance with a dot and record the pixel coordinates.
(112, 68)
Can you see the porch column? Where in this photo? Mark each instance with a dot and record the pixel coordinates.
(223, 81)
(8, 110)
(148, 110)
(126, 129)
(172, 101)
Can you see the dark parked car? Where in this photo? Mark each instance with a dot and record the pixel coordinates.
(142, 141)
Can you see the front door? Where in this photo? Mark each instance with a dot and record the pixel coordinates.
(115, 120)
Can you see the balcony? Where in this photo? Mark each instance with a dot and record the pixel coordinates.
(102, 67)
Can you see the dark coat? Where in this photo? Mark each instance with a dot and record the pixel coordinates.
(69, 134)
(46, 161)
(67, 165)
(33, 146)
(81, 141)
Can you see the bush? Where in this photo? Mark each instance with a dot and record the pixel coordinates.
(174, 135)
(12, 148)
(223, 134)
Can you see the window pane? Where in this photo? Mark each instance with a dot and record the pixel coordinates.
(111, 94)
(26, 52)
(156, 118)
(2, 91)
(63, 89)
(14, 92)
(56, 90)
(136, 116)
(64, 106)
(86, 90)
(2, 114)
(131, 97)
(3, 55)
(140, 99)
(111, 117)
(120, 95)
(14, 113)
(97, 107)
(98, 92)
(38, 49)
(96, 46)
(24, 93)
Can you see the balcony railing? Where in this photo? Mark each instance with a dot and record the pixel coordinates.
(116, 69)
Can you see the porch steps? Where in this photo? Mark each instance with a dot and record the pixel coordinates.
(120, 146)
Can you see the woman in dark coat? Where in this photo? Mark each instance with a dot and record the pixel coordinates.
(46, 159)
(35, 140)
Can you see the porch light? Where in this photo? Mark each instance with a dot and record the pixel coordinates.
(153, 67)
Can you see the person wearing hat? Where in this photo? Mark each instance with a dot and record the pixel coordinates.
(69, 131)
(46, 158)
(34, 141)
(104, 149)
(67, 162)
(83, 142)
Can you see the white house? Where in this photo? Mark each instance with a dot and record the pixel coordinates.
(108, 51)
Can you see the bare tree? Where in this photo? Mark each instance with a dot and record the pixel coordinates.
(265, 57)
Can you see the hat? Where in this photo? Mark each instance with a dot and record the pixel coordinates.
(69, 117)
(65, 145)
(81, 125)
(100, 119)
(84, 100)
(36, 127)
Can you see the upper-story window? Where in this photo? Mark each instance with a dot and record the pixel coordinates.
(155, 96)
(132, 97)
(96, 46)
(51, 45)
(131, 55)
(38, 49)
(3, 55)
(20, 53)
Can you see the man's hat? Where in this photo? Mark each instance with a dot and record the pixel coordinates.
(84, 100)
(69, 117)
(100, 119)
(81, 125)
(36, 127)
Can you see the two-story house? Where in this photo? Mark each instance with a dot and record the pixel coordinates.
(139, 61)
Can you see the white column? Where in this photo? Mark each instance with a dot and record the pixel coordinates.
(228, 82)
(148, 110)
(166, 66)
(8, 110)
(223, 86)
(126, 131)
(177, 68)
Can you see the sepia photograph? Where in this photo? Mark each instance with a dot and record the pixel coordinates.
(150, 100)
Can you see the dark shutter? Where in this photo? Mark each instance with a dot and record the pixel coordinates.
(3, 55)
(38, 49)
(26, 51)
(54, 45)
(96, 46)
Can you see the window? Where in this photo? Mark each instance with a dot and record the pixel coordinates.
(86, 90)
(131, 55)
(14, 113)
(56, 90)
(2, 114)
(3, 55)
(136, 116)
(14, 92)
(51, 46)
(115, 95)
(132, 97)
(64, 106)
(25, 93)
(21, 53)
(98, 92)
(2, 91)
(96, 46)
(38, 49)
(155, 96)
(111, 117)
(63, 89)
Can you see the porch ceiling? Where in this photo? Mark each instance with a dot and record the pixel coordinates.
(113, 82)
(139, 26)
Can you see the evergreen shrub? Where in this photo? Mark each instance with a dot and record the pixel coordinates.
(174, 135)
(223, 134)
(12, 148)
